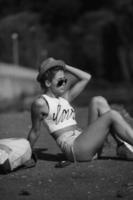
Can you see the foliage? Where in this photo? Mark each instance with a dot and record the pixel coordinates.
(29, 37)
(96, 35)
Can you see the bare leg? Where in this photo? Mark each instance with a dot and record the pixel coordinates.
(122, 128)
(88, 143)
(98, 106)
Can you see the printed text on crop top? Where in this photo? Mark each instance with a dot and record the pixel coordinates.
(61, 113)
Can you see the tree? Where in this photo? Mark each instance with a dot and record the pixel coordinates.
(124, 24)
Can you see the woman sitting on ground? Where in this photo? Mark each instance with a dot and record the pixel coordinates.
(53, 108)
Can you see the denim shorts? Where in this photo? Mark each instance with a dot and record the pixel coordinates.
(66, 142)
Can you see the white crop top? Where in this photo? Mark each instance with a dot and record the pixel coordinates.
(61, 113)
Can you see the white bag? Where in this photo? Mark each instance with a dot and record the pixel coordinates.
(16, 151)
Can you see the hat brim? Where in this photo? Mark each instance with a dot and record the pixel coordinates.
(50, 66)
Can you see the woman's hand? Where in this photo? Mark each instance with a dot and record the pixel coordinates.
(82, 80)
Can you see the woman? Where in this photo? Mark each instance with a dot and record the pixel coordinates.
(54, 110)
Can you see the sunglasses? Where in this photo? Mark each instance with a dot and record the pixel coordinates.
(61, 82)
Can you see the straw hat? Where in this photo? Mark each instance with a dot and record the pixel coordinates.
(48, 64)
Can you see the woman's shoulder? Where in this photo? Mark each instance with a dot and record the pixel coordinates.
(39, 102)
(39, 107)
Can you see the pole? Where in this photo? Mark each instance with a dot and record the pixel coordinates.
(15, 49)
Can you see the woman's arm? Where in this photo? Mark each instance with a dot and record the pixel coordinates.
(82, 80)
(38, 112)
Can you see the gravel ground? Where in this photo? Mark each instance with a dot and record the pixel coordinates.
(105, 179)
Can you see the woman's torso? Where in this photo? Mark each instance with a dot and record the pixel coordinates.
(61, 114)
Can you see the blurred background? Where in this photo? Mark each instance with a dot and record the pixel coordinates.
(96, 36)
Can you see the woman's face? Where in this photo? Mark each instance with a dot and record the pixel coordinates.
(58, 83)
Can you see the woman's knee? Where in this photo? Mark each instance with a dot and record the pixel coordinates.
(100, 103)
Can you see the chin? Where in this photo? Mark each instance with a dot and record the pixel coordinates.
(61, 93)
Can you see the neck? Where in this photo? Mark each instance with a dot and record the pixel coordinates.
(51, 94)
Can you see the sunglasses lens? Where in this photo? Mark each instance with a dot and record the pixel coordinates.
(61, 82)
